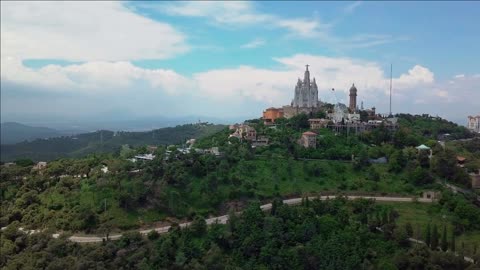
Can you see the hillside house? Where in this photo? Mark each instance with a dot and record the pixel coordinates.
(475, 177)
(308, 139)
(39, 166)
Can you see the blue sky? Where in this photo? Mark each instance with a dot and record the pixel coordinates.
(78, 60)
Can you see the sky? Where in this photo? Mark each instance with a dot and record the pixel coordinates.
(65, 61)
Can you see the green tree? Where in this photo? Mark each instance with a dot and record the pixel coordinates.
(397, 161)
(373, 175)
(452, 242)
(444, 243)
(409, 229)
(361, 161)
(401, 236)
(198, 226)
(444, 164)
(423, 158)
(321, 114)
(420, 176)
(428, 235)
(434, 244)
(299, 121)
(24, 162)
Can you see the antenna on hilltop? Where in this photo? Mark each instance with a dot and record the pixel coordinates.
(391, 68)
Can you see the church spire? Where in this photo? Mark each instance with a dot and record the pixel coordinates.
(306, 79)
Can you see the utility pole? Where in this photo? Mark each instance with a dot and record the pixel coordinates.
(391, 69)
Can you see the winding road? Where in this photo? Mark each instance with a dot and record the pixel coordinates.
(223, 219)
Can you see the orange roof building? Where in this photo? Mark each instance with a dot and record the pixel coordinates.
(272, 114)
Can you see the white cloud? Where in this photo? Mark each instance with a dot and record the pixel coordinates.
(416, 76)
(239, 14)
(248, 89)
(93, 77)
(442, 93)
(258, 42)
(459, 76)
(351, 7)
(245, 82)
(84, 31)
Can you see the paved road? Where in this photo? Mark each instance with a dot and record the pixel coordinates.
(223, 219)
(457, 189)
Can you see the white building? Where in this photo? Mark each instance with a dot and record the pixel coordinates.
(145, 157)
(473, 123)
(340, 113)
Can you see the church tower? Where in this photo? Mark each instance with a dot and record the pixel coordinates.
(306, 92)
(353, 98)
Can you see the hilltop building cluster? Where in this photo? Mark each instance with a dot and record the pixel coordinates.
(340, 117)
(305, 100)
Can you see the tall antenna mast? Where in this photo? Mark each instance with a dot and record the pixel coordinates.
(391, 68)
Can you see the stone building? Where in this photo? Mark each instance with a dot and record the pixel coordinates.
(317, 123)
(244, 132)
(305, 98)
(39, 166)
(432, 195)
(306, 92)
(260, 141)
(308, 139)
(475, 180)
(473, 123)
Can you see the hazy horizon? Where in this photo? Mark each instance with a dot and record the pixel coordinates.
(232, 60)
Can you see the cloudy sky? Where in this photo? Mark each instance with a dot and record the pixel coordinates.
(116, 60)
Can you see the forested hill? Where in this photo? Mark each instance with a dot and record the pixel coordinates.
(12, 132)
(427, 126)
(102, 142)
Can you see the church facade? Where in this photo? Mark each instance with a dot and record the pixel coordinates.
(305, 99)
(306, 92)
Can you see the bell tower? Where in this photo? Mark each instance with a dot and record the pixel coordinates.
(353, 98)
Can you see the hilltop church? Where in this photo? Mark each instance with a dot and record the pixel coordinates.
(305, 99)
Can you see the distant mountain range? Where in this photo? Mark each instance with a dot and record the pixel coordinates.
(12, 132)
(103, 141)
(121, 122)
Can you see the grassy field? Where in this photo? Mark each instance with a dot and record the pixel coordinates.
(421, 214)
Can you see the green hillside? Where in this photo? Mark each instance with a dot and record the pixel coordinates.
(75, 196)
(12, 132)
(102, 142)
